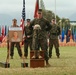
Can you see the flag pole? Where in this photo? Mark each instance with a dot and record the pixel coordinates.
(23, 24)
(55, 11)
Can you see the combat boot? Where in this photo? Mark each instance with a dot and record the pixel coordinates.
(47, 64)
(58, 56)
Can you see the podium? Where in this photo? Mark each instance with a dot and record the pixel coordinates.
(35, 63)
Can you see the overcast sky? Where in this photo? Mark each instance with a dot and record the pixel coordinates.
(64, 8)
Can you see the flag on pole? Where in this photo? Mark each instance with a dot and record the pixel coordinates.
(73, 33)
(68, 34)
(22, 24)
(0, 30)
(75, 36)
(23, 16)
(62, 35)
(3, 30)
(23, 11)
(36, 8)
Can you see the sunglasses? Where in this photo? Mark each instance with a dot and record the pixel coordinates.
(53, 20)
(39, 13)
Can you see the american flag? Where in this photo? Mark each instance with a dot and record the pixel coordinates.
(23, 16)
(23, 11)
(3, 30)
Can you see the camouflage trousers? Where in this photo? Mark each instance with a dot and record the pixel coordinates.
(54, 42)
(27, 43)
(41, 43)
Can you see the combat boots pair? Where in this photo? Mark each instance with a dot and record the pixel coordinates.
(37, 54)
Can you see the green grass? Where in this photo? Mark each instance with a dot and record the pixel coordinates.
(65, 65)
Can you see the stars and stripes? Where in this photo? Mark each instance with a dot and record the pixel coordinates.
(23, 16)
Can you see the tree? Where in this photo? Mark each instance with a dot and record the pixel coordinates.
(49, 15)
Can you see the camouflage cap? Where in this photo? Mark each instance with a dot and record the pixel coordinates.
(39, 10)
(53, 19)
(28, 20)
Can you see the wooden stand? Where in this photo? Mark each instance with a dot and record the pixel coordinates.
(35, 63)
(5, 65)
(8, 57)
(24, 65)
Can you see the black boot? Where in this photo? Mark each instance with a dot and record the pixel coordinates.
(47, 64)
(57, 53)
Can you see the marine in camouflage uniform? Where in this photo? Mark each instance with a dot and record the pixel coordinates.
(40, 27)
(28, 38)
(53, 39)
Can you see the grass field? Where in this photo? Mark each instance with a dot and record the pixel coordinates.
(65, 65)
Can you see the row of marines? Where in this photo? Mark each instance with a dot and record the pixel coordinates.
(36, 33)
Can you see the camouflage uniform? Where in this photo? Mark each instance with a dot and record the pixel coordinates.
(40, 36)
(53, 40)
(27, 41)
